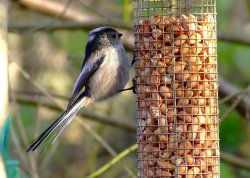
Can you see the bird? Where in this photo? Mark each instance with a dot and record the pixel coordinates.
(104, 73)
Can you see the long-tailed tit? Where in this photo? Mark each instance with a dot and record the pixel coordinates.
(105, 72)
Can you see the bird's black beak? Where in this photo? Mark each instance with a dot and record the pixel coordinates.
(119, 34)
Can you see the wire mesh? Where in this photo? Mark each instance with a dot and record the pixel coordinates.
(177, 88)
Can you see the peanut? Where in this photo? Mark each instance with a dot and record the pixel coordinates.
(163, 138)
(180, 40)
(201, 163)
(177, 67)
(171, 142)
(189, 159)
(157, 34)
(182, 102)
(184, 148)
(184, 50)
(192, 172)
(194, 38)
(163, 109)
(147, 149)
(156, 99)
(182, 76)
(149, 161)
(182, 168)
(184, 116)
(165, 154)
(177, 160)
(165, 92)
(165, 165)
(163, 174)
(170, 116)
(193, 81)
(192, 132)
(177, 29)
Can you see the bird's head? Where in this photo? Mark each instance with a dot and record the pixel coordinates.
(105, 36)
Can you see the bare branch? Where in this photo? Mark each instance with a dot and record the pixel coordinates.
(55, 9)
(84, 25)
(46, 26)
(234, 37)
(128, 40)
(225, 89)
(38, 93)
(30, 100)
(235, 160)
(87, 25)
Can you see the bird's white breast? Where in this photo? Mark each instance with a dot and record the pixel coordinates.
(112, 75)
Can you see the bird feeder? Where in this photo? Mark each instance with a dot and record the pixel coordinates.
(177, 88)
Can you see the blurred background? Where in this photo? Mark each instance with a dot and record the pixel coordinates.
(46, 43)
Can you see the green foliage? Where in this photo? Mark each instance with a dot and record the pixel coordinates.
(226, 171)
(27, 113)
(223, 12)
(231, 54)
(231, 131)
(127, 11)
(69, 40)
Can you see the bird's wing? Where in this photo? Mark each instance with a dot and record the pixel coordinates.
(87, 71)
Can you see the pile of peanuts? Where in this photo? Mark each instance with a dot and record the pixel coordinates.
(177, 97)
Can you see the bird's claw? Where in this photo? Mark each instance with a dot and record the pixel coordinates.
(133, 88)
(134, 60)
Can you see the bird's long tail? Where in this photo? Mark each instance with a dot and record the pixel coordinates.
(59, 125)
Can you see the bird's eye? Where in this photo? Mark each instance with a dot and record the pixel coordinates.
(113, 36)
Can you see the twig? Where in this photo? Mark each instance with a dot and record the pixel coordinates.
(118, 158)
(19, 150)
(230, 97)
(98, 13)
(47, 26)
(232, 107)
(32, 169)
(39, 94)
(28, 77)
(32, 159)
(235, 160)
(22, 134)
(30, 100)
(226, 89)
(48, 156)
